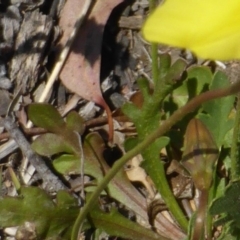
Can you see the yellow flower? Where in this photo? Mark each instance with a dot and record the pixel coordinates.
(209, 28)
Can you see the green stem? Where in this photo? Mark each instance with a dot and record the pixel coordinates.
(209, 223)
(154, 49)
(235, 161)
(177, 115)
(198, 232)
(211, 196)
(155, 67)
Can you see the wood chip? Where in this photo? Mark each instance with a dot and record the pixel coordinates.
(132, 22)
(29, 48)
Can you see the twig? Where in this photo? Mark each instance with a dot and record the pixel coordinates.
(99, 121)
(51, 182)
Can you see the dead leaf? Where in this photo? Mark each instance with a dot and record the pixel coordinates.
(135, 173)
(82, 68)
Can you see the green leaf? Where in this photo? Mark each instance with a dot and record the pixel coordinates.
(92, 153)
(50, 144)
(64, 199)
(67, 164)
(176, 70)
(75, 122)
(229, 232)
(35, 206)
(155, 169)
(151, 165)
(70, 164)
(131, 111)
(121, 189)
(130, 143)
(217, 117)
(230, 202)
(116, 225)
(198, 80)
(228, 206)
(199, 77)
(46, 116)
(165, 63)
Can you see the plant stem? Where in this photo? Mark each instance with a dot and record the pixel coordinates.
(154, 49)
(211, 196)
(209, 222)
(154, 55)
(177, 115)
(235, 162)
(198, 231)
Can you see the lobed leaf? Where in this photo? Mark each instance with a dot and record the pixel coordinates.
(227, 207)
(35, 206)
(116, 225)
(217, 117)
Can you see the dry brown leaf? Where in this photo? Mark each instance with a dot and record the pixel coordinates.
(136, 173)
(82, 69)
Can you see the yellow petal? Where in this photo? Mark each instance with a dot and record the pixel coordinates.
(209, 28)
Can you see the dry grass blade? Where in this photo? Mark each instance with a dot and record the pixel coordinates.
(65, 51)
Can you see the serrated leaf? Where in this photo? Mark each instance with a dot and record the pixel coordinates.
(199, 77)
(229, 233)
(176, 70)
(229, 203)
(165, 63)
(50, 144)
(131, 111)
(217, 117)
(46, 116)
(228, 206)
(35, 206)
(116, 225)
(198, 80)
